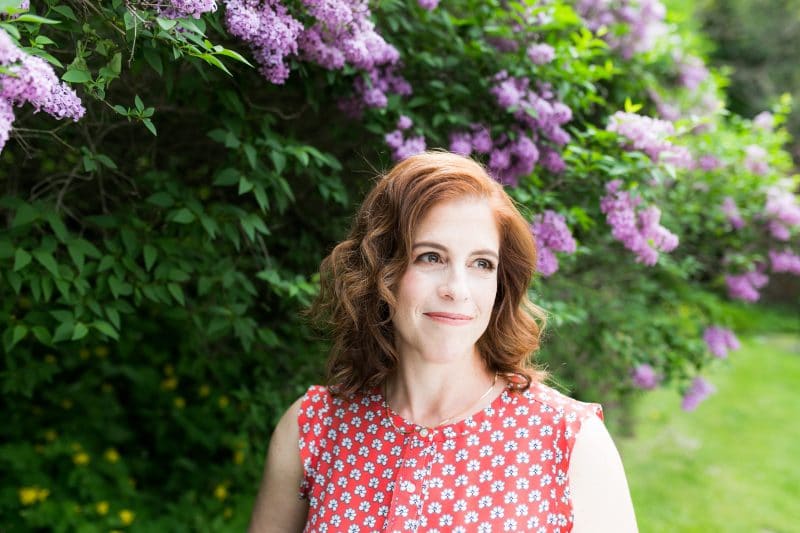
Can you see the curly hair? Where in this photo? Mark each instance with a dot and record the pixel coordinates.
(360, 276)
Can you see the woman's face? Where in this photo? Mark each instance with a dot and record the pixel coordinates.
(446, 295)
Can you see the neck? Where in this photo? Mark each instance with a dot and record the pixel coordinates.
(430, 394)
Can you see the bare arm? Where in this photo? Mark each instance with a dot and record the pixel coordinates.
(600, 496)
(278, 509)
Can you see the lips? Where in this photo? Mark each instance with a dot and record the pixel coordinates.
(449, 318)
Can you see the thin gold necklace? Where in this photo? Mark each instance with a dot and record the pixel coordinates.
(422, 430)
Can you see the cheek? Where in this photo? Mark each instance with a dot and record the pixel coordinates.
(410, 291)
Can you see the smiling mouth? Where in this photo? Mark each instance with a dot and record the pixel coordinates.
(449, 318)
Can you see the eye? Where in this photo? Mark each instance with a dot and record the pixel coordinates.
(429, 257)
(484, 264)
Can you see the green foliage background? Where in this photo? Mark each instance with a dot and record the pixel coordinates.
(155, 256)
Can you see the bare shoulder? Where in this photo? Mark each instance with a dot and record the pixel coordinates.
(278, 507)
(600, 496)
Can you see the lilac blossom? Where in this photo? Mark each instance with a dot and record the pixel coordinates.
(430, 5)
(679, 156)
(644, 20)
(541, 53)
(552, 234)
(720, 341)
(646, 134)
(403, 123)
(755, 159)
(402, 146)
(731, 211)
(512, 159)
(29, 79)
(269, 29)
(784, 261)
(699, 390)
(746, 286)
(552, 161)
(6, 121)
(640, 232)
(764, 121)
(708, 162)
(645, 377)
(187, 8)
(461, 143)
(782, 212)
(692, 72)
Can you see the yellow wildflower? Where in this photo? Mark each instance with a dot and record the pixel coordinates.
(50, 359)
(180, 403)
(28, 495)
(238, 457)
(126, 516)
(111, 455)
(84, 353)
(228, 512)
(223, 401)
(101, 351)
(101, 508)
(42, 494)
(81, 458)
(50, 435)
(204, 391)
(169, 384)
(221, 492)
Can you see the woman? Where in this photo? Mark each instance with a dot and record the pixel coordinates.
(434, 419)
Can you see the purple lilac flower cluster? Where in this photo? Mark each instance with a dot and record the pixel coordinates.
(552, 235)
(532, 140)
(187, 8)
(644, 19)
(746, 286)
(785, 261)
(764, 121)
(731, 211)
(31, 80)
(430, 5)
(373, 90)
(692, 72)
(650, 135)
(639, 231)
(782, 212)
(403, 146)
(269, 29)
(720, 341)
(645, 377)
(755, 159)
(699, 390)
(541, 53)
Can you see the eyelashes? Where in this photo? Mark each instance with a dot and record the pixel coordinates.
(433, 258)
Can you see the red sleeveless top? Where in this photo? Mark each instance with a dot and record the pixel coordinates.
(501, 469)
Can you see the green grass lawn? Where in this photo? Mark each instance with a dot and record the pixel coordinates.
(733, 465)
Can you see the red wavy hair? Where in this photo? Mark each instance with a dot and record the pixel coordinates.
(359, 277)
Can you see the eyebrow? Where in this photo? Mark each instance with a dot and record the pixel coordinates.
(428, 244)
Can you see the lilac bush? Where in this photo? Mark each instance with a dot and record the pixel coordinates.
(552, 235)
(720, 341)
(698, 391)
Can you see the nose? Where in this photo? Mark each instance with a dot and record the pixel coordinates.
(454, 285)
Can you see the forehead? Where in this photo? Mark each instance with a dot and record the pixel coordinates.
(467, 221)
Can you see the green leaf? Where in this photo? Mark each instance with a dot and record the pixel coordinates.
(41, 334)
(6, 249)
(25, 214)
(77, 76)
(177, 292)
(105, 328)
(279, 160)
(250, 152)
(153, 58)
(63, 331)
(150, 254)
(150, 126)
(48, 261)
(113, 316)
(28, 17)
(166, 24)
(21, 259)
(65, 11)
(80, 331)
(183, 216)
(161, 199)
(19, 332)
(58, 226)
